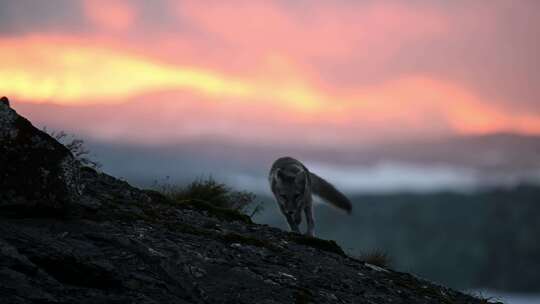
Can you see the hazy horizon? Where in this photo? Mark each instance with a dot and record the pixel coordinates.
(479, 163)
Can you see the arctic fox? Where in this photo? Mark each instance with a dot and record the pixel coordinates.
(292, 185)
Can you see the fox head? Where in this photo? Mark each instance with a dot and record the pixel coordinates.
(290, 189)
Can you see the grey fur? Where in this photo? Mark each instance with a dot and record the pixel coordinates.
(293, 185)
(329, 193)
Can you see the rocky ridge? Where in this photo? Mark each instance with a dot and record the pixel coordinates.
(70, 234)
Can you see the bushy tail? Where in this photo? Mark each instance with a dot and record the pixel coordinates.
(329, 193)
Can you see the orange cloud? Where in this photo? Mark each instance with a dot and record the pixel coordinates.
(285, 100)
(422, 102)
(71, 72)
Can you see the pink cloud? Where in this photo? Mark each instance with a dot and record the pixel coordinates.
(322, 71)
(110, 15)
(318, 30)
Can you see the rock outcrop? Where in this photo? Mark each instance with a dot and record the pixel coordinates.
(69, 234)
(38, 175)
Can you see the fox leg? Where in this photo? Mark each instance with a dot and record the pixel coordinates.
(292, 223)
(298, 218)
(308, 210)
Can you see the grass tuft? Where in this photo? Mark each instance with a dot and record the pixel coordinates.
(377, 258)
(215, 198)
(485, 300)
(76, 146)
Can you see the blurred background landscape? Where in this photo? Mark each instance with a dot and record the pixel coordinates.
(426, 113)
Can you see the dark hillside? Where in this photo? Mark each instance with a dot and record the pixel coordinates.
(73, 235)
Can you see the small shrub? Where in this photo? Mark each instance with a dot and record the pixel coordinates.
(76, 146)
(211, 192)
(208, 192)
(377, 258)
(484, 299)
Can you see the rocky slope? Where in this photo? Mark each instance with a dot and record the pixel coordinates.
(69, 234)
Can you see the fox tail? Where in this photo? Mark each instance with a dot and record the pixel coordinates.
(329, 193)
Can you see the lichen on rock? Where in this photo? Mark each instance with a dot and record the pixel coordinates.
(38, 175)
(70, 173)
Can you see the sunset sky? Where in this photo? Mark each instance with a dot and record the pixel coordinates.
(277, 72)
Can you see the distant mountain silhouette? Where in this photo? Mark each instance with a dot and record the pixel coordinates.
(501, 156)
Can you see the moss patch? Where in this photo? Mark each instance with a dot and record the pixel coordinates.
(303, 296)
(325, 245)
(247, 240)
(224, 214)
(183, 228)
(426, 290)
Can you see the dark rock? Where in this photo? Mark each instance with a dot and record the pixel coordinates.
(38, 175)
(125, 245)
(5, 101)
